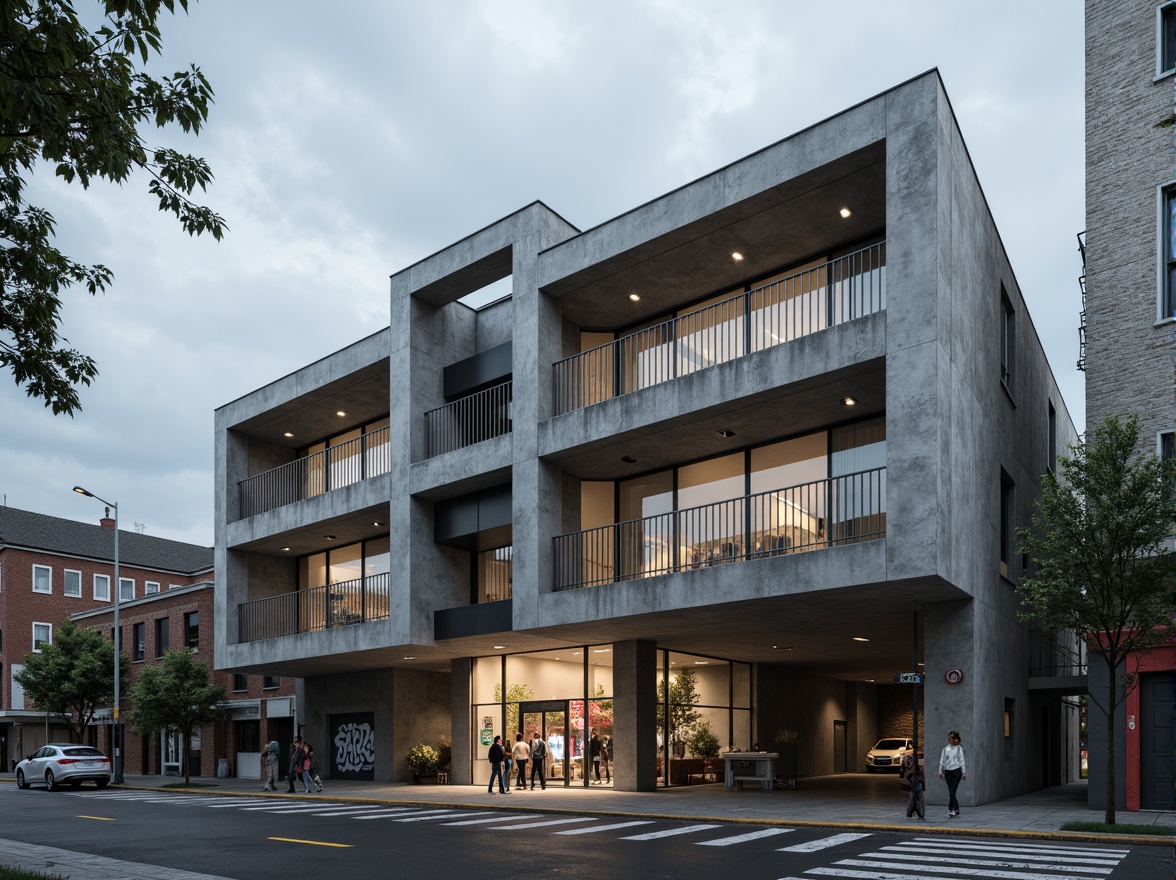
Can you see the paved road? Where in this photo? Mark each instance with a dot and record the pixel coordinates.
(247, 837)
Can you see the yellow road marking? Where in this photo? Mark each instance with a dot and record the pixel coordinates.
(313, 842)
(97, 818)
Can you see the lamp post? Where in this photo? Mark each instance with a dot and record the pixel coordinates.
(118, 764)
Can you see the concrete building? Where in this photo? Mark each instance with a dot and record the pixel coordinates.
(51, 568)
(259, 708)
(738, 456)
(1129, 326)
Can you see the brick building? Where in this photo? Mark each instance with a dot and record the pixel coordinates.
(259, 708)
(51, 568)
(1130, 330)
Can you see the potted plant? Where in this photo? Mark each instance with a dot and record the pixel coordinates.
(702, 742)
(683, 697)
(424, 761)
(785, 741)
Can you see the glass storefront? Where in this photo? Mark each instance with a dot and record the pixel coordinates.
(565, 697)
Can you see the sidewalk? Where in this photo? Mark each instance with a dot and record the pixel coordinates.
(842, 801)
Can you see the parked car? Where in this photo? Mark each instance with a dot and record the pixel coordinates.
(63, 763)
(887, 754)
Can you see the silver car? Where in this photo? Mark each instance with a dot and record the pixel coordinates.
(63, 763)
(887, 754)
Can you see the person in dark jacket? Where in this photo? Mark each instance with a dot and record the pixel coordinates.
(538, 761)
(297, 756)
(497, 756)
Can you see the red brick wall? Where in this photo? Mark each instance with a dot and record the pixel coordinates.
(20, 606)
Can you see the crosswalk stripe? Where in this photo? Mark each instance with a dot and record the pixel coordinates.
(822, 843)
(446, 815)
(742, 838)
(348, 811)
(282, 808)
(1035, 847)
(670, 832)
(976, 851)
(991, 861)
(955, 872)
(398, 812)
(869, 875)
(550, 822)
(501, 817)
(612, 827)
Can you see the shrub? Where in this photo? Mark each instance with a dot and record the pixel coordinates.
(424, 760)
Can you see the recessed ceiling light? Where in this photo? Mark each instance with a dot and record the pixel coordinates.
(628, 459)
(377, 523)
(701, 662)
(410, 658)
(725, 433)
(860, 639)
(499, 647)
(869, 679)
(600, 650)
(736, 256)
(287, 434)
(844, 212)
(575, 653)
(287, 549)
(635, 297)
(340, 413)
(329, 537)
(782, 647)
(849, 401)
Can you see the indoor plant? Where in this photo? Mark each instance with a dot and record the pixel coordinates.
(424, 761)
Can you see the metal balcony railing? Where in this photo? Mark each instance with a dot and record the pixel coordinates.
(798, 305)
(319, 608)
(810, 516)
(350, 462)
(470, 420)
(1056, 654)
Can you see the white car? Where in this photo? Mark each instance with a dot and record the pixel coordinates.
(63, 763)
(887, 754)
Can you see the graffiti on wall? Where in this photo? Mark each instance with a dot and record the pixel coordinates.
(354, 744)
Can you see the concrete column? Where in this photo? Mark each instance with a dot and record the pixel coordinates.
(460, 675)
(635, 715)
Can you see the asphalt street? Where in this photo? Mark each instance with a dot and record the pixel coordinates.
(248, 837)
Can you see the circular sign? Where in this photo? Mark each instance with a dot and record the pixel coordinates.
(954, 676)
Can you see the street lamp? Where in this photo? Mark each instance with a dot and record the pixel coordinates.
(118, 765)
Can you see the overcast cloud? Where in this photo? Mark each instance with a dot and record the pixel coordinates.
(352, 142)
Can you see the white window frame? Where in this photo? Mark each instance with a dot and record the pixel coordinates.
(48, 568)
(48, 641)
(99, 594)
(150, 588)
(65, 584)
(122, 596)
(1162, 71)
(1162, 292)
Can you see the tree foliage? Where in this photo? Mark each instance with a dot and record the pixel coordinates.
(1103, 571)
(177, 695)
(683, 698)
(73, 677)
(75, 99)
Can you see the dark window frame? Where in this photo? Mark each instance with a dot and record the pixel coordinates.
(162, 636)
(192, 630)
(1165, 39)
(139, 641)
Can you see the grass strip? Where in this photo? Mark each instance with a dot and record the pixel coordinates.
(9, 873)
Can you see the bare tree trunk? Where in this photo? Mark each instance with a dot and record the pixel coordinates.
(1112, 701)
(187, 759)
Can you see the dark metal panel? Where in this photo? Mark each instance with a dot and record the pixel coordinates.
(484, 368)
(473, 620)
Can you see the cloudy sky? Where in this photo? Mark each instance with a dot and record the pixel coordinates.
(347, 145)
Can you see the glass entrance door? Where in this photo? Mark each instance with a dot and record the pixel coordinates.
(550, 720)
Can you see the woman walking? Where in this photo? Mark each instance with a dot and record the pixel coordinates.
(952, 770)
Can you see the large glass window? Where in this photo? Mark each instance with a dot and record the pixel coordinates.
(102, 588)
(494, 574)
(647, 531)
(73, 584)
(192, 630)
(139, 641)
(711, 522)
(162, 636)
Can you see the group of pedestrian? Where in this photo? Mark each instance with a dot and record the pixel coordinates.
(535, 753)
(952, 770)
(303, 767)
(601, 752)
